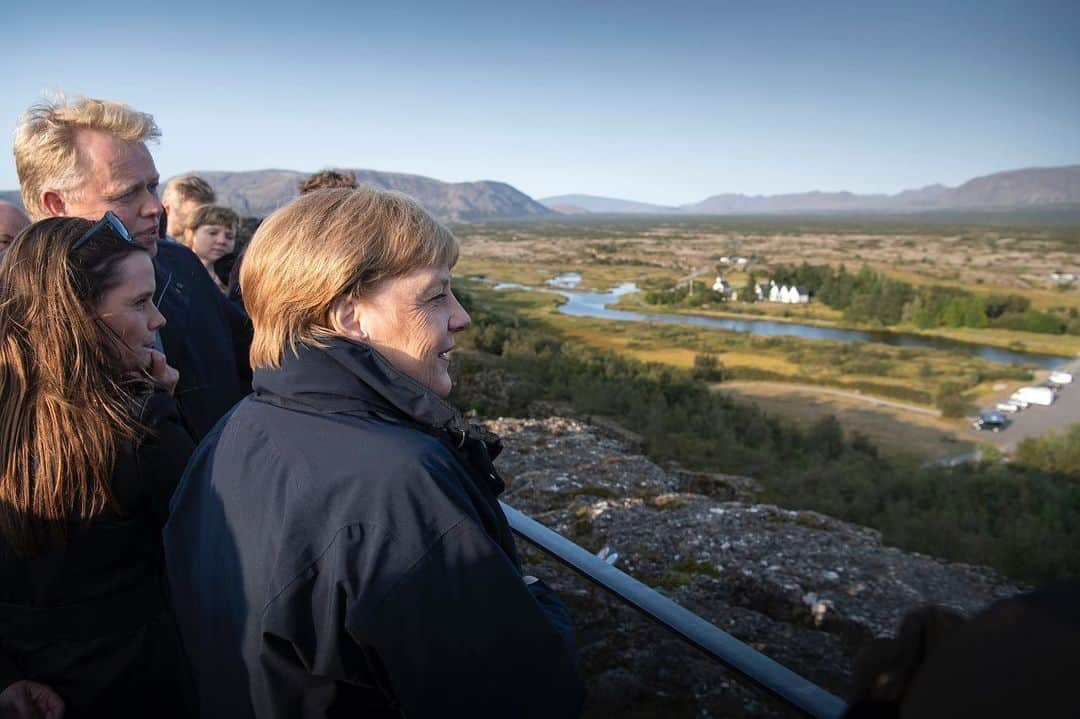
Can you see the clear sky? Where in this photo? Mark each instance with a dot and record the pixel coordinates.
(658, 102)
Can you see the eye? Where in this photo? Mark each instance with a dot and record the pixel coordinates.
(439, 297)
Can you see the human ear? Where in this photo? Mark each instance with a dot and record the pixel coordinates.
(345, 319)
(54, 203)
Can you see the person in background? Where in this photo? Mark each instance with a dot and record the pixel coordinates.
(91, 448)
(182, 196)
(329, 180)
(12, 221)
(322, 180)
(335, 547)
(83, 157)
(211, 235)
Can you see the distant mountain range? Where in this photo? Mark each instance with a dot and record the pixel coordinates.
(1033, 188)
(259, 192)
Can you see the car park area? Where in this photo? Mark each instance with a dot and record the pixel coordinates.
(1033, 411)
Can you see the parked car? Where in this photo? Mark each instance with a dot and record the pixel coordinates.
(993, 421)
(1007, 407)
(1060, 378)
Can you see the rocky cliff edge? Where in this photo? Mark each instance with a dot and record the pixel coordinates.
(806, 589)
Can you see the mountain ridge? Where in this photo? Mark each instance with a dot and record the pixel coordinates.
(1026, 188)
(256, 193)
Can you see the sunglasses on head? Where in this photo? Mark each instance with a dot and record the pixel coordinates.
(109, 220)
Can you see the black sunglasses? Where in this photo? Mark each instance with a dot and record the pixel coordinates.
(110, 220)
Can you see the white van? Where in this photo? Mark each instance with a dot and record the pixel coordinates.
(1035, 395)
(1015, 399)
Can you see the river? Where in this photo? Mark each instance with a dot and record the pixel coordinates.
(595, 304)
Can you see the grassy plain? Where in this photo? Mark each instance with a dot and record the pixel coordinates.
(982, 255)
(897, 431)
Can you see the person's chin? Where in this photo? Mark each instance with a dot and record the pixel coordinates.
(148, 244)
(442, 386)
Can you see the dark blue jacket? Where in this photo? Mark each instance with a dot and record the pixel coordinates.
(206, 338)
(336, 548)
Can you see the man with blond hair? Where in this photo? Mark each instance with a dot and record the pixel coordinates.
(182, 196)
(84, 157)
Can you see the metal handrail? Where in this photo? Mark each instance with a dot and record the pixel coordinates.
(772, 677)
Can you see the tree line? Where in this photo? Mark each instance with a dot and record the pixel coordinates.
(871, 297)
(868, 296)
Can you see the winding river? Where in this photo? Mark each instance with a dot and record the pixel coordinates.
(595, 304)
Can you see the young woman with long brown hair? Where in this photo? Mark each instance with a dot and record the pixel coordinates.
(91, 447)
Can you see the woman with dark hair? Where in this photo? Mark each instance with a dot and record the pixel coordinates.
(91, 447)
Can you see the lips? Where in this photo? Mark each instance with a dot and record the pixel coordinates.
(445, 354)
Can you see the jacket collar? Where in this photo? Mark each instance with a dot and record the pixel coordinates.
(347, 376)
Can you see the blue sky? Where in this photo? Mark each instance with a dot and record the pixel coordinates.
(658, 102)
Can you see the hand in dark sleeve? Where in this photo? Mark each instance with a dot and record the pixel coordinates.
(30, 700)
(461, 635)
(559, 617)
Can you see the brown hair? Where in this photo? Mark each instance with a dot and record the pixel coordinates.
(329, 180)
(325, 246)
(189, 187)
(63, 406)
(214, 215)
(45, 154)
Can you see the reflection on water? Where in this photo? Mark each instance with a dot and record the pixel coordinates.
(594, 304)
(567, 280)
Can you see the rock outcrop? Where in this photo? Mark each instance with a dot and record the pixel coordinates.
(806, 589)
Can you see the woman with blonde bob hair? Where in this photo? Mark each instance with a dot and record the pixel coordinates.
(344, 514)
(91, 447)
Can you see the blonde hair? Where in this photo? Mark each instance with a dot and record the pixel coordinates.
(189, 187)
(46, 157)
(325, 246)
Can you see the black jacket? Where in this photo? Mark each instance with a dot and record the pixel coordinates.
(336, 549)
(90, 618)
(206, 338)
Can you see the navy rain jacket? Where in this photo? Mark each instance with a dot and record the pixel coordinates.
(206, 338)
(335, 548)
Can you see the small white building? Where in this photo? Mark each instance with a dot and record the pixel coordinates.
(724, 287)
(783, 294)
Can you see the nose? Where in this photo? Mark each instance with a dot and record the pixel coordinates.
(157, 320)
(459, 318)
(152, 206)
